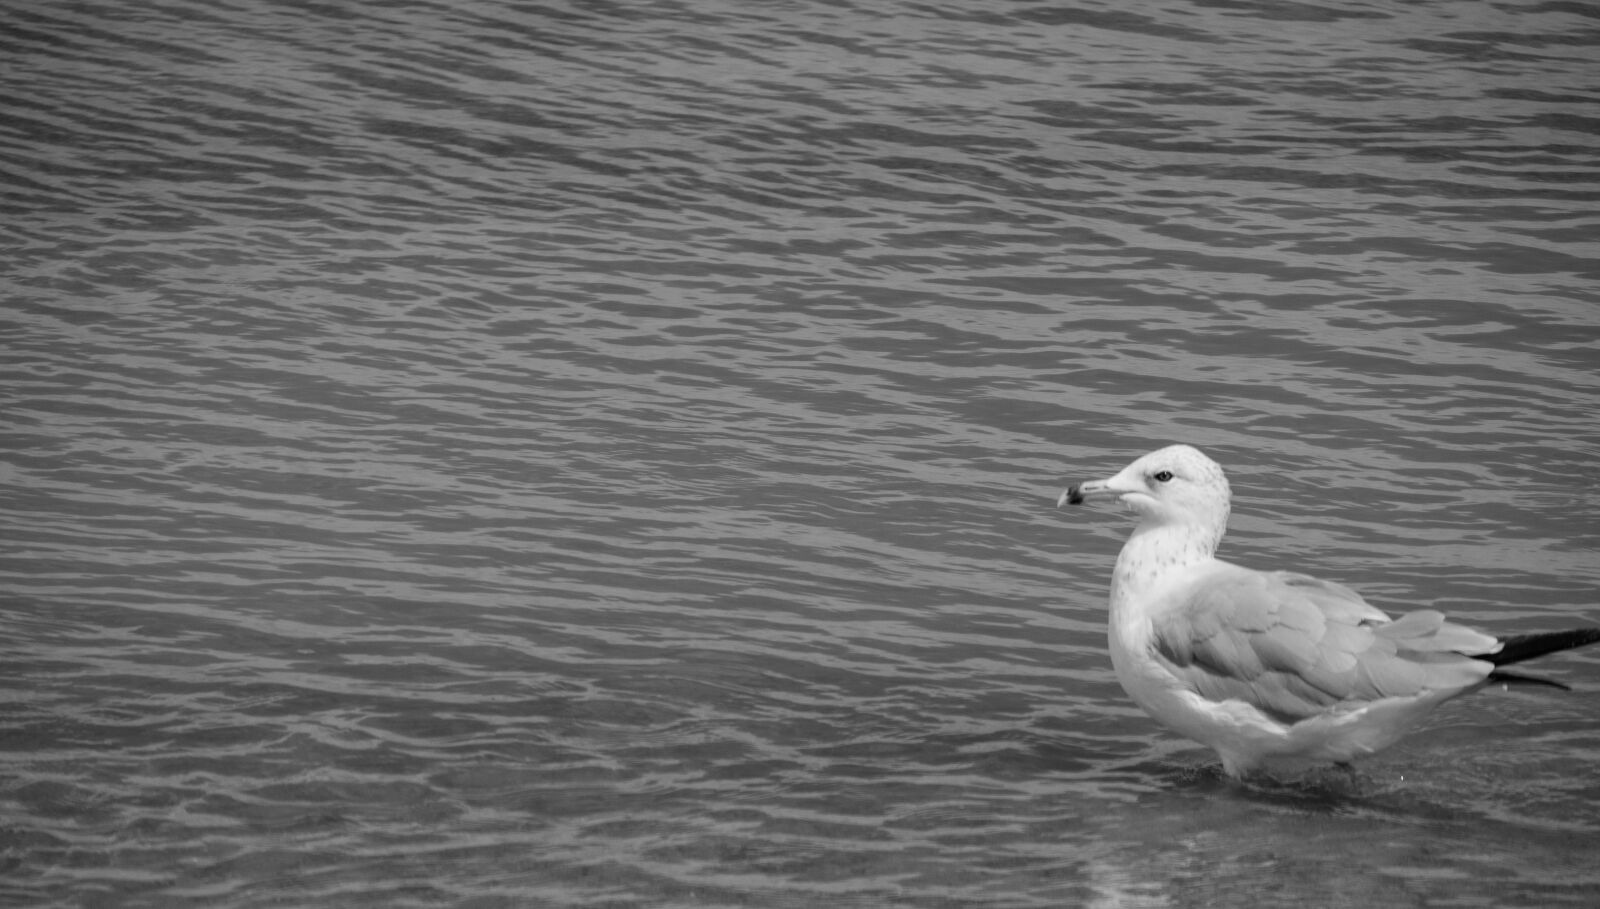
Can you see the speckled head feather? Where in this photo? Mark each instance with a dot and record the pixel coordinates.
(1176, 487)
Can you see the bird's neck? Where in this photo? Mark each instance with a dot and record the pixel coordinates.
(1154, 552)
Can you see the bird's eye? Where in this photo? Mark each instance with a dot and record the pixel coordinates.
(1162, 476)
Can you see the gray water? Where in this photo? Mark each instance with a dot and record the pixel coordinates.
(497, 454)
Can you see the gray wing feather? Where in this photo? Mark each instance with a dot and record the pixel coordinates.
(1296, 647)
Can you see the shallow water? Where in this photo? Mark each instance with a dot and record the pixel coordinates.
(497, 454)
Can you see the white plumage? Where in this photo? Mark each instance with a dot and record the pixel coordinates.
(1273, 670)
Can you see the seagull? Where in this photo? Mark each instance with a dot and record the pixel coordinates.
(1278, 672)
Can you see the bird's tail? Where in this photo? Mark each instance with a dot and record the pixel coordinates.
(1521, 647)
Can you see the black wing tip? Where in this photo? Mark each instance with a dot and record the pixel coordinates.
(1517, 678)
(1074, 495)
(1519, 647)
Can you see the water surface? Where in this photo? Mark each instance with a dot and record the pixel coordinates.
(506, 454)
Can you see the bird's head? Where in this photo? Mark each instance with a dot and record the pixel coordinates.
(1177, 485)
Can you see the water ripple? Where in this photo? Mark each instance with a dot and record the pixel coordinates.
(595, 453)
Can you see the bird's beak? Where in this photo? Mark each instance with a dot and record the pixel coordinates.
(1114, 488)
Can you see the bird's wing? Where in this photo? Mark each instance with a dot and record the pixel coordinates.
(1296, 647)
